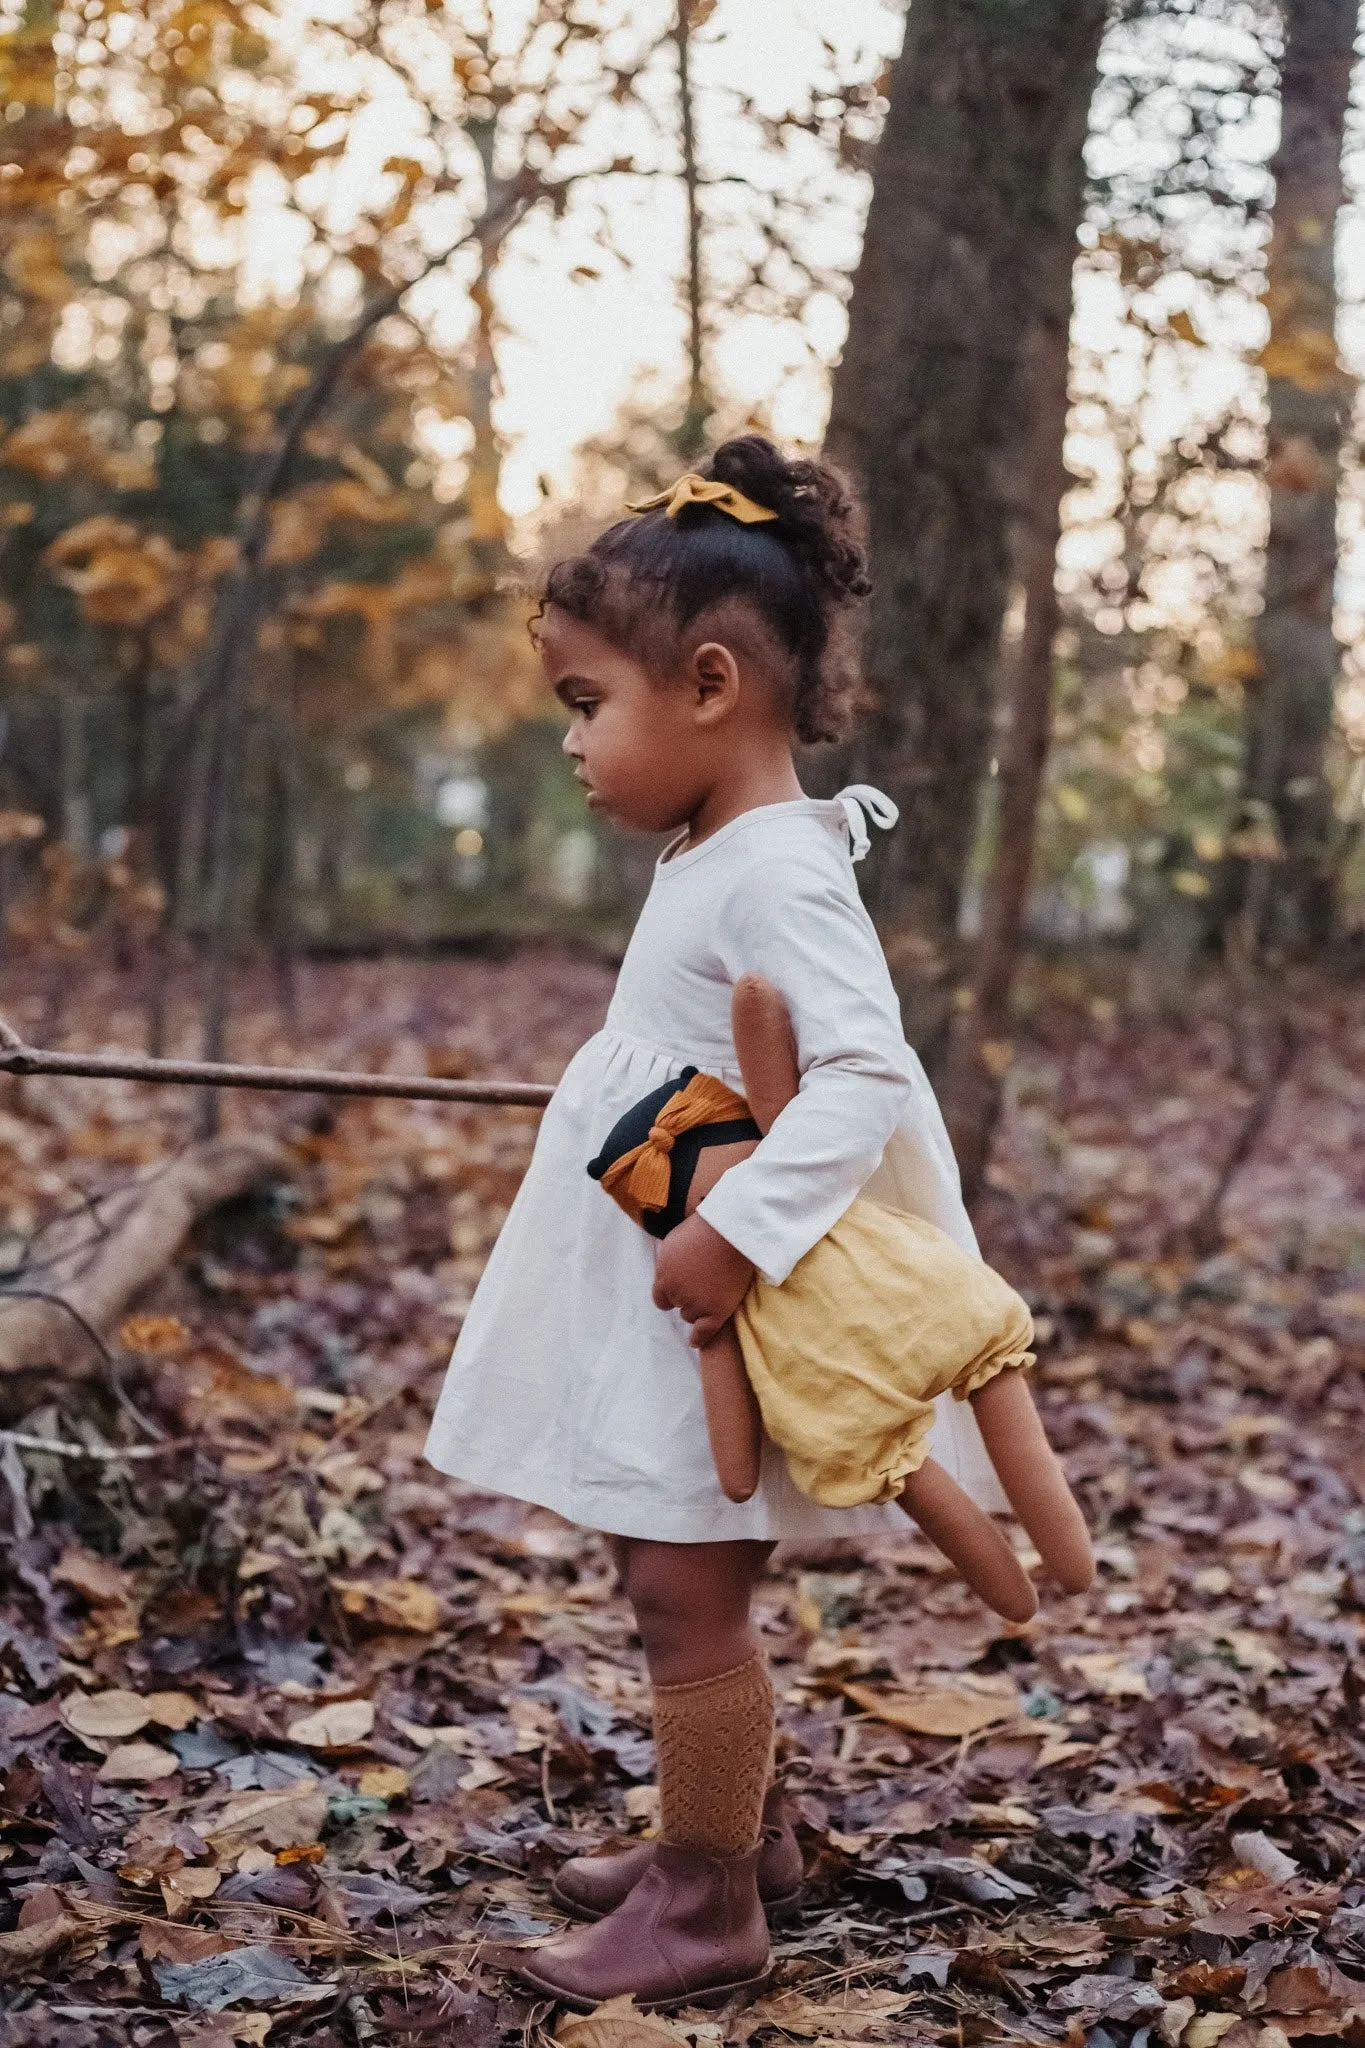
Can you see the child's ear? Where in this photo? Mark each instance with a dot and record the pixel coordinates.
(714, 680)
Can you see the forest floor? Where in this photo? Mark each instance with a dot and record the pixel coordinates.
(294, 1731)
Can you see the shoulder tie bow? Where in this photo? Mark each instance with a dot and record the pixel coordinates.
(860, 797)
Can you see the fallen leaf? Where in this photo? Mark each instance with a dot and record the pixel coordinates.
(186, 1887)
(166, 1941)
(393, 1603)
(383, 1781)
(95, 1578)
(1206, 2028)
(255, 1972)
(859, 2015)
(154, 1336)
(944, 1712)
(279, 1819)
(137, 1763)
(1106, 1673)
(336, 1726)
(1255, 1851)
(108, 1716)
(175, 1710)
(617, 2024)
(1109, 1998)
(26, 1946)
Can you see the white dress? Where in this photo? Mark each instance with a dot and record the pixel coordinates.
(568, 1387)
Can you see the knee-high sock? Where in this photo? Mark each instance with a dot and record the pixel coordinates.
(715, 1744)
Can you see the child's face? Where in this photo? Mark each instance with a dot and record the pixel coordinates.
(641, 749)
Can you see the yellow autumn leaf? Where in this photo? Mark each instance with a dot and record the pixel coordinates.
(154, 1336)
(394, 1603)
(937, 1711)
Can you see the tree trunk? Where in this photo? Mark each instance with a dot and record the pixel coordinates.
(973, 190)
(692, 434)
(979, 1050)
(1289, 709)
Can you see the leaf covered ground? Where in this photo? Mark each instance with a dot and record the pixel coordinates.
(294, 1731)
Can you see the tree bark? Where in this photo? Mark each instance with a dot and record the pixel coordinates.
(979, 1049)
(973, 190)
(692, 434)
(1289, 708)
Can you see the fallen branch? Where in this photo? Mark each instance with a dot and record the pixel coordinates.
(18, 1058)
(154, 1222)
(55, 1447)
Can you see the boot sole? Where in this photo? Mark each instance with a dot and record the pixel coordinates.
(714, 1994)
(778, 1908)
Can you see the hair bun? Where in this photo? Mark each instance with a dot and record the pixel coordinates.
(818, 515)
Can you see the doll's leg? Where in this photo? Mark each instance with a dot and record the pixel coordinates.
(1035, 1484)
(970, 1540)
(692, 1926)
(732, 1418)
(765, 1047)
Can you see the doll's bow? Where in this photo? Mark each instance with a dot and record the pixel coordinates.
(641, 1179)
(703, 490)
(860, 797)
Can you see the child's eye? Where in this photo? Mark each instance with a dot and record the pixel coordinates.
(584, 706)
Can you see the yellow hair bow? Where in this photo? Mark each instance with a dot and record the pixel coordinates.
(701, 490)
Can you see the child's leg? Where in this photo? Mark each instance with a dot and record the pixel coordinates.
(970, 1540)
(692, 1926)
(713, 1701)
(1034, 1482)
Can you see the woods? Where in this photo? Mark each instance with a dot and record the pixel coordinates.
(321, 333)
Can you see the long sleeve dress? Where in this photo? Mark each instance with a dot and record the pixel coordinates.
(568, 1388)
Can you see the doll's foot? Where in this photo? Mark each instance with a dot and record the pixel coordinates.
(691, 1931)
(593, 1885)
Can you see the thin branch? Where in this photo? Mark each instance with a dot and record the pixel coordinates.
(18, 1058)
(54, 1447)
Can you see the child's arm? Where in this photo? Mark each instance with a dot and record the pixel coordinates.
(799, 928)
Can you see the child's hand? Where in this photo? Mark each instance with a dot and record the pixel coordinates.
(703, 1276)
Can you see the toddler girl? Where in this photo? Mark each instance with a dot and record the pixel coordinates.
(694, 645)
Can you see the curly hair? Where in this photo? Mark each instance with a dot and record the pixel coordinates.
(647, 581)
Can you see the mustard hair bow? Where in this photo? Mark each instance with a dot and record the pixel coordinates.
(641, 1179)
(701, 490)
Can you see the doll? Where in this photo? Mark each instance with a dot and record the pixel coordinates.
(812, 1361)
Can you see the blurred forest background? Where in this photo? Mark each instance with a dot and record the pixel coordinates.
(319, 327)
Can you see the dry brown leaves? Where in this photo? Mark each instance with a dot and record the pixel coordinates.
(295, 1733)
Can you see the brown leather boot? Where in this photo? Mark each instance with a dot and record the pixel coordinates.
(591, 1885)
(690, 1932)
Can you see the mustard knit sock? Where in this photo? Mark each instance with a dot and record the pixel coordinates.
(715, 1744)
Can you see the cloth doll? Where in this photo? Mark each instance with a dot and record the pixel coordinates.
(840, 1364)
